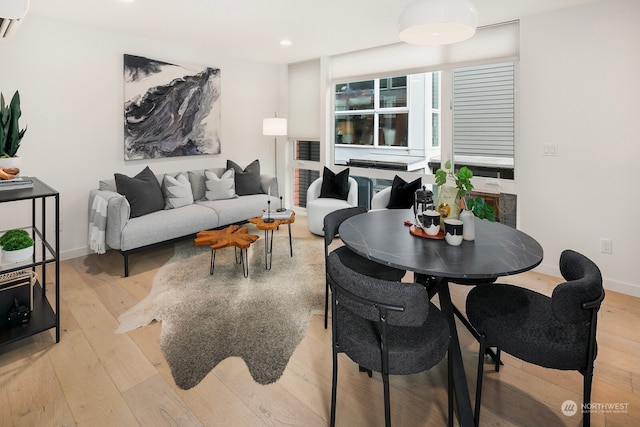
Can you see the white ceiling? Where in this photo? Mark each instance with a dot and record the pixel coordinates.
(252, 29)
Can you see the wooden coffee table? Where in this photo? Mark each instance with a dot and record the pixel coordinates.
(261, 224)
(235, 236)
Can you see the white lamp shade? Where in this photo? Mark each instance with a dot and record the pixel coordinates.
(438, 22)
(274, 126)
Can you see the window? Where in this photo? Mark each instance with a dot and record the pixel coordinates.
(307, 150)
(302, 178)
(396, 122)
(372, 112)
(387, 123)
(435, 110)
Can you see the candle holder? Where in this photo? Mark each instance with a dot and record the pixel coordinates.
(280, 209)
(268, 218)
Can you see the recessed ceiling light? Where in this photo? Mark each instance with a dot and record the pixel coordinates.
(285, 42)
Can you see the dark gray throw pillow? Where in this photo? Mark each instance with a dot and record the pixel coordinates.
(335, 186)
(403, 193)
(247, 180)
(142, 191)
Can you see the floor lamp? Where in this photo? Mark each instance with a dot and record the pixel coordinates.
(275, 126)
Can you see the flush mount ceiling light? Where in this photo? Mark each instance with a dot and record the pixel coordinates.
(438, 22)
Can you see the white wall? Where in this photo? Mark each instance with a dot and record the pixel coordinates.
(70, 79)
(579, 88)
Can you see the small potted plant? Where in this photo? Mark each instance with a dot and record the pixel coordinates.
(17, 245)
(10, 132)
(450, 198)
(449, 208)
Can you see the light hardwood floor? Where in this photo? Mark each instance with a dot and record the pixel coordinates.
(94, 377)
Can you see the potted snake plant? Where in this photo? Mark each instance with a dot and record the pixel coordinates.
(10, 133)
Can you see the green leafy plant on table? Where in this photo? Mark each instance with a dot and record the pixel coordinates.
(462, 178)
(10, 132)
(14, 240)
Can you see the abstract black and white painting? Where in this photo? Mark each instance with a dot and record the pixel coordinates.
(170, 110)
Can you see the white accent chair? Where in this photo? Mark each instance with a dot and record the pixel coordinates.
(380, 200)
(318, 207)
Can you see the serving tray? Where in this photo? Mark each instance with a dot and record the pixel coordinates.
(417, 231)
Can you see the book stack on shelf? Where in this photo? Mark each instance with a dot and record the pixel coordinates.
(15, 183)
(285, 214)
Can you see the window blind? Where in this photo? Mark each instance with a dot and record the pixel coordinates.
(483, 111)
(304, 100)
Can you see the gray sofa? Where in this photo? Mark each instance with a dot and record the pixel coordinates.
(128, 235)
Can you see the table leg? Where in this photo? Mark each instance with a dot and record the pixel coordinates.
(245, 262)
(488, 351)
(213, 261)
(461, 390)
(268, 249)
(290, 241)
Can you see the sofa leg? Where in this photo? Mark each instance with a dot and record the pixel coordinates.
(126, 264)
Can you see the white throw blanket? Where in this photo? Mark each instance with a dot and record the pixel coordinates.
(98, 224)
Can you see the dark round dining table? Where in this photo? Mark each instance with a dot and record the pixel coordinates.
(497, 250)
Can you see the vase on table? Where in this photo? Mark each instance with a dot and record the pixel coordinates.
(468, 220)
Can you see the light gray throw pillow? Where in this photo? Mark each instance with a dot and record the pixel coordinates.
(197, 184)
(219, 188)
(177, 191)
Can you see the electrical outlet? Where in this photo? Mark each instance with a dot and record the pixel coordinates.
(550, 149)
(606, 246)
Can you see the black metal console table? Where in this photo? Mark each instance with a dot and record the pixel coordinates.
(46, 251)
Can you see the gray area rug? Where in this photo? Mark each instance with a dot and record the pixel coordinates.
(206, 319)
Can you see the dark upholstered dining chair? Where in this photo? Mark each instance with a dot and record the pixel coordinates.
(557, 332)
(384, 326)
(351, 259)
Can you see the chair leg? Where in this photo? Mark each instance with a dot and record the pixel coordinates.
(586, 397)
(326, 302)
(387, 403)
(334, 388)
(363, 369)
(497, 359)
(481, 351)
(450, 386)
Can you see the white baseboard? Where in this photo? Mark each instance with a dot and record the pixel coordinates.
(609, 284)
(75, 253)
